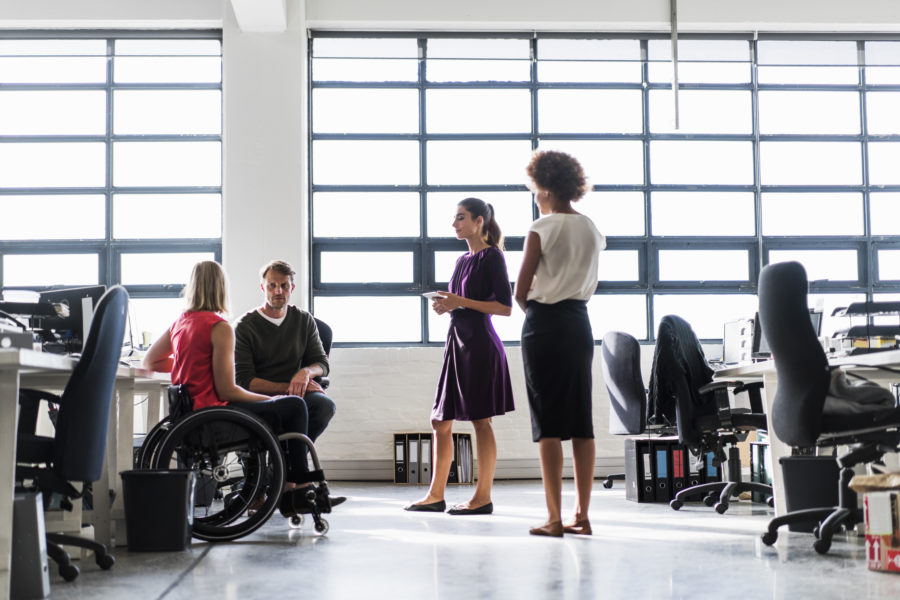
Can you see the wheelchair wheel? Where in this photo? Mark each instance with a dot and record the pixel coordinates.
(236, 452)
(151, 443)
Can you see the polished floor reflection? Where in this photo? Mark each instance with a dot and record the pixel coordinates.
(376, 550)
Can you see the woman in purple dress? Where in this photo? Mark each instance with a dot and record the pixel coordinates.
(474, 384)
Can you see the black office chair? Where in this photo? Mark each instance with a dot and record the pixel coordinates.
(620, 357)
(806, 414)
(326, 336)
(76, 451)
(706, 422)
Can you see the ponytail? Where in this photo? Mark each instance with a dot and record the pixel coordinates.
(490, 229)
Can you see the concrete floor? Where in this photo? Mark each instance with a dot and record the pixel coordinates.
(376, 550)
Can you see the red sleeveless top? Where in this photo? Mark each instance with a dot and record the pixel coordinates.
(192, 348)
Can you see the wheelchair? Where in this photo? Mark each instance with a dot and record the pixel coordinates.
(239, 467)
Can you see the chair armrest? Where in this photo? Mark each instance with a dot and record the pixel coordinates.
(323, 381)
(29, 405)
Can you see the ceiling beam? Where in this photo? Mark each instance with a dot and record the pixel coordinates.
(260, 16)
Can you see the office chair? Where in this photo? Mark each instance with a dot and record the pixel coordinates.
(239, 464)
(76, 451)
(806, 414)
(706, 422)
(620, 356)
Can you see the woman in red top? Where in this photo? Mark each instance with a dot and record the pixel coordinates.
(199, 352)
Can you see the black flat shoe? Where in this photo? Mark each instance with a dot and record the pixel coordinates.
(439, 506)
(335, 500)
(484, 509)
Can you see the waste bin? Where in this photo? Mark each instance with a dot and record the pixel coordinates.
(809, 482)
(159, 508)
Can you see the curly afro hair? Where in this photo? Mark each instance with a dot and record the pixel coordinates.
(558, 173)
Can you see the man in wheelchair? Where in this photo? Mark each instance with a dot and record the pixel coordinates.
(228, 435)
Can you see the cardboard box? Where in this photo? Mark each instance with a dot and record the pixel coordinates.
(882, 516)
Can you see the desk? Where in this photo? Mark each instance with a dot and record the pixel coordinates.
(45, 370)
(863, 364)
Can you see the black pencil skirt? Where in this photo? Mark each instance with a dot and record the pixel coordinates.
(557, 349)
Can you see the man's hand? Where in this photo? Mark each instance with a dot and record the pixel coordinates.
(299, 383)
(314, 387)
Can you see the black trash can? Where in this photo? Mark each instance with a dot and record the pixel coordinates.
(159, 509)
(809, 482)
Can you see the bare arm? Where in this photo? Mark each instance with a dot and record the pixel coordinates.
(490, 307)
(532, 255)
(222, 338)
(159, 356)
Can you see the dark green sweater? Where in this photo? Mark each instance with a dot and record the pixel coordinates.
(276, 352)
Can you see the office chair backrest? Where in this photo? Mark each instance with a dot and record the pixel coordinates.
(803, 374)
(679, 371)
(324, 335)
(621, 364)
(81, 427)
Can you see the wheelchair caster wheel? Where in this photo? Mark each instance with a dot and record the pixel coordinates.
(721, 507)
(711, 499)
(105, 561)
(769, 537)
(69, 572)
(815, 531)
(296, 522)
(676, 504)
(770, 501)
(608, 484)
(822, 546)
(321, 527)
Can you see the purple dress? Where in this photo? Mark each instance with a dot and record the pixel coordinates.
(475, 380)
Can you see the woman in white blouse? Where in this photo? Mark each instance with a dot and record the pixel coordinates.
(557, 277)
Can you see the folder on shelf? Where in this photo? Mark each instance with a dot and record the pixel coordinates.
(400, 458)
(710, 470)
(425, 463)
(413, 457)
(679, 468)
(660, 465)
(695, 468)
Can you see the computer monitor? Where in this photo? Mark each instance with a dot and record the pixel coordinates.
(737, 341)
(761, 345)
(65, 334)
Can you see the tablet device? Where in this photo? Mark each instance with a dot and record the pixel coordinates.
(433, 295)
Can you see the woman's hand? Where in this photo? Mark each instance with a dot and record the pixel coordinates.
(447, 303)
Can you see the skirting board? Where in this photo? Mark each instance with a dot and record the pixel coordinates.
(512, 468)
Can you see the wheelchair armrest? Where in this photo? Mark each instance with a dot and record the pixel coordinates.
(323, 381)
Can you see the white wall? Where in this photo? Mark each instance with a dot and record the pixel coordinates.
(379, 391)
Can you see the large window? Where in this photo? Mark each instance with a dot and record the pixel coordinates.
(785, 149)
(110, 163)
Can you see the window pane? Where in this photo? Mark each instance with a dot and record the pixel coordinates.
(486, 111)
(701, 111)
(367, 267)
(882, 116)
(825, 265)
(704, 265)
(168, 47)
(158, 268)
(151, 317)
(700, 61)
(827, 303)
(141, 112)
(589, 60)
(614, 213)
(812, 214)
(50, 269)
(605, 162)
(58, 112)
(889, 265)
(883, 53)
(706, 313)
(513, 264)
(883, 160)
(619, 265)
(52, 217)
(149, 216)
(490, 60)
(374, 162)
(783, 61)
(365, 69)
(477, 162)
(336, 110)
(161, 164)
(589, 111)
(52, 165)
(509, 329)
(884, 213)
(703, 213)
(810, 163)
(398, 318)
(366, 214)
(615, 312)
(52, 61)
(809, 112)
(701, 162)
(512, 210)
(444, 263)
(168, 61)
(324, 47)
